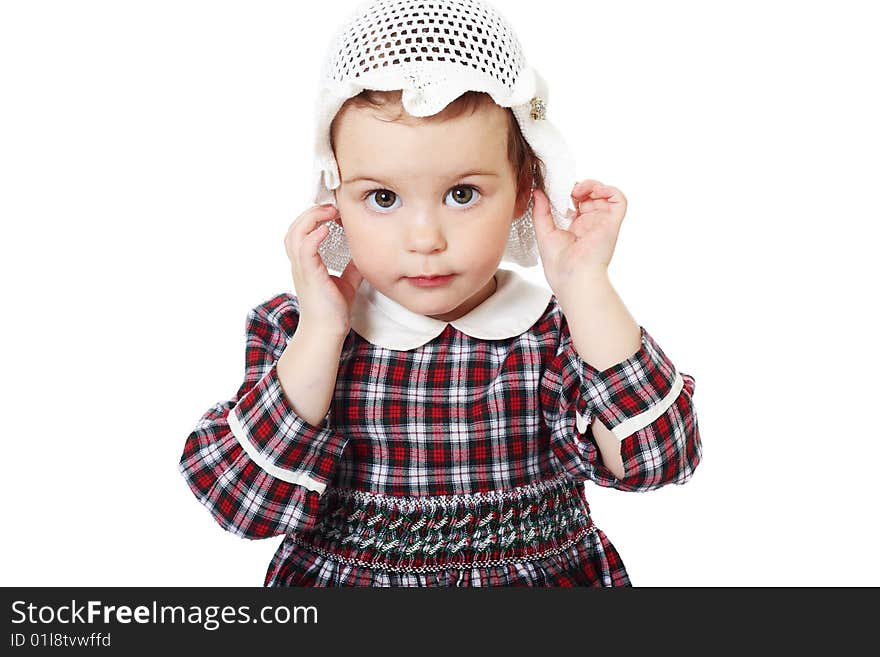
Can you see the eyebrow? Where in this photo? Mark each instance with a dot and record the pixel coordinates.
(466, 174)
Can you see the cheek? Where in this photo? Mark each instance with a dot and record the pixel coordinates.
(348, 218)
(498, 225)
(484, 245)
(366, 243)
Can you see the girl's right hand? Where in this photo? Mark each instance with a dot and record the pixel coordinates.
(325, 301)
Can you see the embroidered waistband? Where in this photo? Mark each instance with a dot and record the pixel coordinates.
(418, 533)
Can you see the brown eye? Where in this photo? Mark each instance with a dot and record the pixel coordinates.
(385, 199)
(463, 195)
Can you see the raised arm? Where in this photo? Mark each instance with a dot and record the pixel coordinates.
(631, 426)
(260, 461)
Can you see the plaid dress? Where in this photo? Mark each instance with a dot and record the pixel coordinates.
(453, 453)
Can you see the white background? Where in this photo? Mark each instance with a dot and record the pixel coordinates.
(153, 154)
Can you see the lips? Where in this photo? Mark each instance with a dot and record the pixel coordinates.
(430, 281)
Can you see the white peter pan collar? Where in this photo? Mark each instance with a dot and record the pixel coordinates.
(514, 308)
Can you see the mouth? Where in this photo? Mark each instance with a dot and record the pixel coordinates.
(429, 281)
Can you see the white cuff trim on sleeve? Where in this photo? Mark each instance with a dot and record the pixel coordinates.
(640, 421)
(289, 476)
(582, 421)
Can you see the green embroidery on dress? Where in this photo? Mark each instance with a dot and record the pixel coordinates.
(444, 528)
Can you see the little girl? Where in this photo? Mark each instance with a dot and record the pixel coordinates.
(427, 418)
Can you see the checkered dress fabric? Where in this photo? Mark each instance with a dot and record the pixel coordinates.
(458, 463)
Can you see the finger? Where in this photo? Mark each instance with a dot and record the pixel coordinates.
(311, 213)
(600, 194)
(586, 206)
(594, 205)
(306, 222)
(308, 250)
(583, 189)
(541, 217)
(602, 191)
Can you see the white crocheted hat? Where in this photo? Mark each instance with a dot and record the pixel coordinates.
(434, 51)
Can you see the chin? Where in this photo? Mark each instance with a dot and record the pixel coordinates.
(431, 306)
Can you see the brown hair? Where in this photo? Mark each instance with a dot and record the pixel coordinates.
(528, 167)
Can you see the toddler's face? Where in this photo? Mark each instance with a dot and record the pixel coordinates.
(426, 197)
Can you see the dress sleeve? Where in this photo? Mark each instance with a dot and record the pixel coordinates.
(257, 466)
(645, 402)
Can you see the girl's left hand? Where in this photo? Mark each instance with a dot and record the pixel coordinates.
(583, 252)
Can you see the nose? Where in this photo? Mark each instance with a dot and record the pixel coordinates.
(425, 233)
